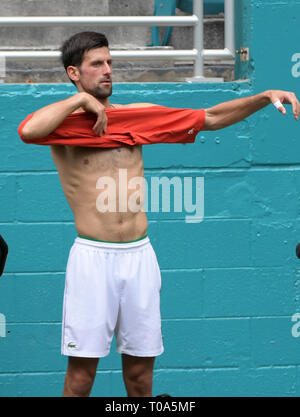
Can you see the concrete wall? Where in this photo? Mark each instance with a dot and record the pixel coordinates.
(230, 283)
(51, 37)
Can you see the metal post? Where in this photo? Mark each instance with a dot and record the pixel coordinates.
(199, 46)
(229, 27)
(198, 39)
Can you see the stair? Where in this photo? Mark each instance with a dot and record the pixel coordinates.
(122, 37)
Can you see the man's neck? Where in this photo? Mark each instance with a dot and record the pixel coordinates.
(106, 103)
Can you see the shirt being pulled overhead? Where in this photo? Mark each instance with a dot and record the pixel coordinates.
(126, 126)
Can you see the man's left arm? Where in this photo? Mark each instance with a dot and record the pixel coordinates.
(230, 112)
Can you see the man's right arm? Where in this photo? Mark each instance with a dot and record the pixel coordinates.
(45, 120)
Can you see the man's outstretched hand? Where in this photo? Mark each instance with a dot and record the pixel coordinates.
(284, 97)
(230, 112)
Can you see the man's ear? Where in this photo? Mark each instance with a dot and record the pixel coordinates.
(73, 73)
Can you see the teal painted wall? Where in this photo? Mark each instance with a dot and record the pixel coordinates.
(230, 283)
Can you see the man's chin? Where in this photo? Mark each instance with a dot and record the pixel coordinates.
(101, 93)
(108, 93)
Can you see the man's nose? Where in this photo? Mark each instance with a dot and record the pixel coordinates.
(107, 68)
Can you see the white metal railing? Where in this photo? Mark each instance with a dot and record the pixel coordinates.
(197, 54)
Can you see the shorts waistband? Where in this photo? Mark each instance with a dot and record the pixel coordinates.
(83, 240)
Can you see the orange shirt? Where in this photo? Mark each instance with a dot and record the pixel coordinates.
(126, 126)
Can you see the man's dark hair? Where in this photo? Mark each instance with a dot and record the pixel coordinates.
(73, 49)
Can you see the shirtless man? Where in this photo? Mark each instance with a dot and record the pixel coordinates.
(113, 279)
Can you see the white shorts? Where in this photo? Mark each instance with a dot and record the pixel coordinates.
(112, 288)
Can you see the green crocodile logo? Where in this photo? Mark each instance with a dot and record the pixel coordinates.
(71, 345)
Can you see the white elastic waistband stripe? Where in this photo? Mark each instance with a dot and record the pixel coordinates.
(112, 245)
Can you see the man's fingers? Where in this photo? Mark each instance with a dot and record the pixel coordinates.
(280, 106)
(105, 125)
(292, 99)
(282, 109)
(295, 105)
(100, 125)
(296, 108)
(96, 128)
(279, 98)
